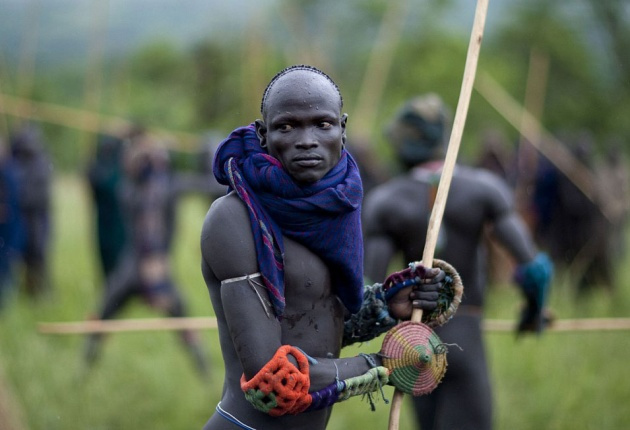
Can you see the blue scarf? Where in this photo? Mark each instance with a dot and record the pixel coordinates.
(324, 216)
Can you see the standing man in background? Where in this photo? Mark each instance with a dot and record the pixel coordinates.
(395, 221)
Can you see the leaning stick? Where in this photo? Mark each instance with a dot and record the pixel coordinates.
(209, 323)
(553, 149)
(379, 64)
(80, 119)
(470, 69)
(142, 324)
(564, 325)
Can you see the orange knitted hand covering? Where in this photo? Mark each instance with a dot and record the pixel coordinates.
(280, 387)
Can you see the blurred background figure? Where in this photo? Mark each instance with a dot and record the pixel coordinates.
(371, 167)
(148, 193)
(34, 178)
(613, 175)
(11, 228)
(199, 178)
(105, 173)
(497, 156)
(395, 219)
(571, 225)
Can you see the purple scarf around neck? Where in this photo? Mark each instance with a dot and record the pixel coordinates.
(324, 216)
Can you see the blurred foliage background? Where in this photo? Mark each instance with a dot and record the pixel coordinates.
(202, 65)
(197, 68)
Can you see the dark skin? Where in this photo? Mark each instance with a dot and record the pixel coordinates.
(478, 201)
(302, 127)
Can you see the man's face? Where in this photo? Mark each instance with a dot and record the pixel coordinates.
(303, 127)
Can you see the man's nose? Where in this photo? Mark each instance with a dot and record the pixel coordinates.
(307, 139)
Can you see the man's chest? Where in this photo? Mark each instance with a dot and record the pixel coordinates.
(306, 276)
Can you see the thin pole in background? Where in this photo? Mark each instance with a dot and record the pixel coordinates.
(94, 77)
(379, 65)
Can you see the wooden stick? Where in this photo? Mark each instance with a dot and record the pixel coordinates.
(378, 67)
(535, 90)
(208, 323)
(553, 149)
(84, 120)
(564, 325)
(93, 85)
(472, 57)
(143, 324)
(28, 49)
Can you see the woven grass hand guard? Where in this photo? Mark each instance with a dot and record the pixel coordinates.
(415, 357)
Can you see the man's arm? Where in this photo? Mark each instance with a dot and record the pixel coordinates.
(534, 270)
(228, 251)
(507, 226)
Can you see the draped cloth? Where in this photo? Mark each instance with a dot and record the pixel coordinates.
(324, 216)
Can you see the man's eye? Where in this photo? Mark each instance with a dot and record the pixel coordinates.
(284, 127)
(325, 124)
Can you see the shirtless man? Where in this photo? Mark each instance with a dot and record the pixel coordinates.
(282, 257)
(395, 219)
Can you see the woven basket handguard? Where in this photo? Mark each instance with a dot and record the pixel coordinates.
(415, 357)
(449, 298)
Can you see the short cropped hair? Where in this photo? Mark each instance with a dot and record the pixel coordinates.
(297, 67)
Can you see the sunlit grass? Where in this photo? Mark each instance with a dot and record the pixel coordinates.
(145, 380)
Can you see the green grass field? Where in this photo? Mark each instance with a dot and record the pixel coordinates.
(144, 380)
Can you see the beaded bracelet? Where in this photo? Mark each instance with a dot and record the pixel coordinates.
(364, 384)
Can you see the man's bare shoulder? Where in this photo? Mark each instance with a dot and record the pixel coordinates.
(391, 191)
(227, 242)
(483, 183)
(228, 208)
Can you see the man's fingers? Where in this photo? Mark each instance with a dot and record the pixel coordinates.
(425, 305)
(425, 295)
(428, 287)
(434, 275)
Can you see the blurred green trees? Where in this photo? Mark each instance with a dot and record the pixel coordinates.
(216, 83)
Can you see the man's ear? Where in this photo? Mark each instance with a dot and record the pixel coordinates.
(343, 122)
(261, 132)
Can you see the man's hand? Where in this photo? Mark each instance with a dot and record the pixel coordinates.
(534, 279)
(533, 321)
(421, 293)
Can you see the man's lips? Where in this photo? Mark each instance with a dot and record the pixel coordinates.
(307, 160)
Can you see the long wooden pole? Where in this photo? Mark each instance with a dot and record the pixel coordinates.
(28, 50)
(84, 120)
(379, 66)
(93, 85)
(470, 70)
(554, 150)
(141, 324)
(564, 325)
(534, 102)
(209, 323)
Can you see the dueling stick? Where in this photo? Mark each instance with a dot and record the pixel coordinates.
(553, 149)
(201, 323)
(142, 324)
(83, 120)
(437, 212)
